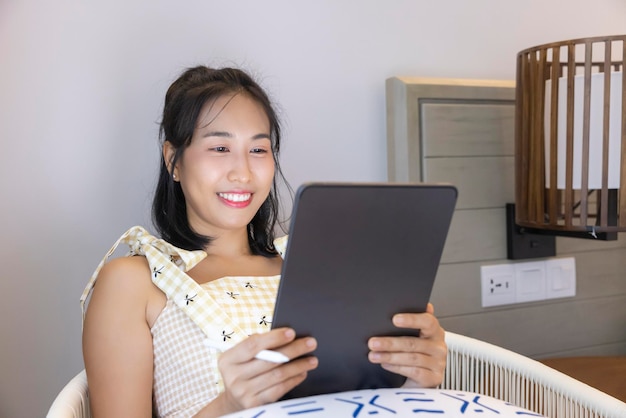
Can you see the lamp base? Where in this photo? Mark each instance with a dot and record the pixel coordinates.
(523, 244)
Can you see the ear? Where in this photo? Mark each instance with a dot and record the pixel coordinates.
(168, 156)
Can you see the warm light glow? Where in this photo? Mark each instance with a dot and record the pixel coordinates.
(596, 122)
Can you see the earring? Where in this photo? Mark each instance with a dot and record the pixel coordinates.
(174, 176)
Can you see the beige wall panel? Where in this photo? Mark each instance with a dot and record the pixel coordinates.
(601, 273)
(457, 289)
(548, 328)
(476, 234)
(404, 125)
(475, 128)
(483, 182)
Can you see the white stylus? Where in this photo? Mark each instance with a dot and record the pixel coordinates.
(272, 356)
(265, 355)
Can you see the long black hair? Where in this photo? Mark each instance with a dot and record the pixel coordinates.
(184, 101)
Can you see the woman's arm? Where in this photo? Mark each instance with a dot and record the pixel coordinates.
(421, 359)
(117, 344)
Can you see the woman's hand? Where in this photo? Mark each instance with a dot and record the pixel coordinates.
(249, 382)
(421, 359)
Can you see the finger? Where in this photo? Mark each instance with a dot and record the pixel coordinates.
(293, 350)
(278, 380)
(425, 322)
(297, 348)
(275, 392)
(418, 376)
(423, 369)
(248, 348)
(430, 308)
(429, 347)
(409, 359)
(282, 381)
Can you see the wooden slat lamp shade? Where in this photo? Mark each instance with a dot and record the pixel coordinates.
(570, 137)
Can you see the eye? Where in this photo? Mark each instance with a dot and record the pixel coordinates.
(219, 149)
(258, 151)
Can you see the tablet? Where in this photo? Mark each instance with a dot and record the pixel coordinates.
(357, 254)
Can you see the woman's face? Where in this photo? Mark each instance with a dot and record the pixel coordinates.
(227, 171)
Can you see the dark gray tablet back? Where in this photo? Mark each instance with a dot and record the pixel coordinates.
(357, 254)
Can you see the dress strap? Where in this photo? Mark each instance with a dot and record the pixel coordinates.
(168, 266)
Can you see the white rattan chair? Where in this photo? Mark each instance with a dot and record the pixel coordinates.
(480, 367)
(73, 400)
(473, 366)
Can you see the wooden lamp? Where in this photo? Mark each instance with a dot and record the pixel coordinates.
(570, 138)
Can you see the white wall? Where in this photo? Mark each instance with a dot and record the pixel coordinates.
(81, 88)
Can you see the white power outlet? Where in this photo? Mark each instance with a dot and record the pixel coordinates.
(498, 284)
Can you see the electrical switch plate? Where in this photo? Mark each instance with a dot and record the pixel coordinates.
(504, 284)
(498, 284)
(530, 281)
(561, 277)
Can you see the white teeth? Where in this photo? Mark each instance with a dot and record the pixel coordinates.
(235, 197)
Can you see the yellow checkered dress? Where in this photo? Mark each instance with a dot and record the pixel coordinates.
(197, 323)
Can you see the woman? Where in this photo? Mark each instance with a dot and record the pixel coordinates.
(175, 329)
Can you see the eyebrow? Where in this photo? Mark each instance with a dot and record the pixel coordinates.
(224, 134)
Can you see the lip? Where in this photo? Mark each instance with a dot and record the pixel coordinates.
(235, 199)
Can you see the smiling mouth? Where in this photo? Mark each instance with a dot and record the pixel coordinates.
(235, 197)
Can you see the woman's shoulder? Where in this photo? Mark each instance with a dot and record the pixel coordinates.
(126, 273)
(126, 284)
(126, 265)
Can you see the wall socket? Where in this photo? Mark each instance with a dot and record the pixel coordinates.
(498, 284)
(510, 283)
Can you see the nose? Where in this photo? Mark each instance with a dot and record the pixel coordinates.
(240, 171)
